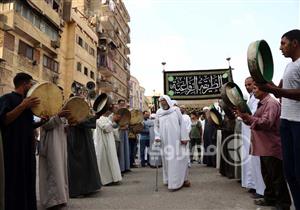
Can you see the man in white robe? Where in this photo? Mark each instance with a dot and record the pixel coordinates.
(53, 170)
(251, 172)
(106, 151)
(172, 133)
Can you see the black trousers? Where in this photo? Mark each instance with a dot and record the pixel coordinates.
(276, 187)
(195, 143)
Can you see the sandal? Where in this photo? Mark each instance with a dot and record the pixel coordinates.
(186, 183)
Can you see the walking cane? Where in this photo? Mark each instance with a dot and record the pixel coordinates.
(156, 187)
(156, 145)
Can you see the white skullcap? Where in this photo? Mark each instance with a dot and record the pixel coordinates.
(153, 115)
(205, 108)
(174, 102)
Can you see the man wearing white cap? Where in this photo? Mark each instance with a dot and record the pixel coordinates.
(171, 131)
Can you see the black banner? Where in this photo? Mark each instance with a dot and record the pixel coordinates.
(195, 85)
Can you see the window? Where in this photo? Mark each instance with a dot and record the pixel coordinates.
(9, 41)
(92, 51)
(86, 71)
(50, 63)
(42, 26)
(78, 66)
(79, 41)
(36, 21)
(55, 5)
(86, 46)
(25, 50)
(92, 75)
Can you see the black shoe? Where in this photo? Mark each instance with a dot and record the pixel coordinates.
(263, 202)
(251, 190)
(256, 196)
(280, 207)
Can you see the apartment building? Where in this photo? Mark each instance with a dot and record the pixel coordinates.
(78, 51)
(137, 99)
(30, 33)
(114, 63)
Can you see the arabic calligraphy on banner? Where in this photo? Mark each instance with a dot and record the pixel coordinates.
(202, 84)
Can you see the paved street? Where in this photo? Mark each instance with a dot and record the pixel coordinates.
(209, 191)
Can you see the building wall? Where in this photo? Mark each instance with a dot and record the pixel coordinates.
(25, 41)
(115, 25)
(137, 99)
(79, 52)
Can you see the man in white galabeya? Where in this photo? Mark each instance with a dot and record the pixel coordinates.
(171, 131)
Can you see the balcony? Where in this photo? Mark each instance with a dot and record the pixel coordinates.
(127, 50)
(49, 75)
(47, 11)
(106, 66)
(128, 39)
(108, 23)
(11, 20)
(105, 85)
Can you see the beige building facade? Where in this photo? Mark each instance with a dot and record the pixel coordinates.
(137, 99)
(78, 52)
(29, 41)
(114, 63)
(66, 42)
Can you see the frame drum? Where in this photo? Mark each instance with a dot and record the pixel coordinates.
(125, 116)
(260, 61)
(215, 116)
(233, 97)
(78, 107)
(136, 117)
(50, 96)
(102, 103)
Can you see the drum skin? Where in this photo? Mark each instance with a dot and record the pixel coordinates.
(50, 96)
(102, 104)
(125, 116)
(260, 61)
(78, 107)
(215, 116)
(136, 117)
(233, 97)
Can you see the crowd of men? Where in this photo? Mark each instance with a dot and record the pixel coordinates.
(75, 160)
(270, 136)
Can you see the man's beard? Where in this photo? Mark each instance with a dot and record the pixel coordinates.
(166, 107)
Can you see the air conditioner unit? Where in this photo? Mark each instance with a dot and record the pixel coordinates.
(55, 44)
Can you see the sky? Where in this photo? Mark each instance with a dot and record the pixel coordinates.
(201, 34)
